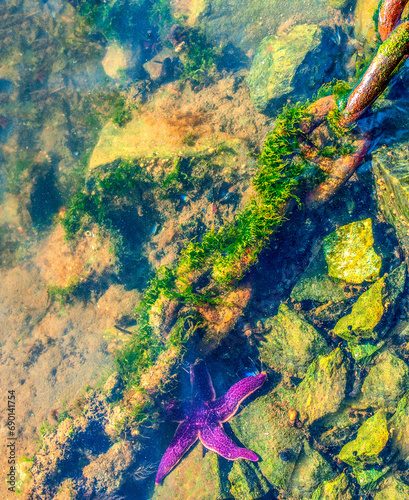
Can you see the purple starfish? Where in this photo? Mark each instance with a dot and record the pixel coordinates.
(205, 417)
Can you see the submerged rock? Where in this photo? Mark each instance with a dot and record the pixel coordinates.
(399, 428)
(385, 383)
(311, 470)
(369, 443)
(247, 482)
(290, 343)
(263, 427)
(350, 254)
(315, 284)
(390, 166)
(290, 65)
(377, 303)
(187, 480)
(323, 388)
(276, 61)
(338, 489)
(107, 473)
(366, 313)
(391, 489)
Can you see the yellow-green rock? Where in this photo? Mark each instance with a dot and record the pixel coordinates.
(393, 489)
(386, 382)
(365, 315)
(364, 26)
(350, 254)
(323, 388)
(315, 284)
(338, 4)
(338, 489)
(391, 170)
(185, 482)
(311, 470)
(370, 441)
(290, 343)
(263, 427)
(247, 482)
(399, 428)
(276, 61)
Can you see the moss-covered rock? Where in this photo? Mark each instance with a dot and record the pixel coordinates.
(350, 254)
(369, 443)
(290, 343)
(363, 353)
(364, 25)
(392, 489)
(366, 313)
(247, 482)
(399, 428)
(368, 479)
(338, 4)
(245, 23)
(276, 62)
(338, 489)
(378, 303)
(385, 383)
(263, 427)
(390, 166)
(187, 480)
(311, 470)
(323, 388)
(315, 284)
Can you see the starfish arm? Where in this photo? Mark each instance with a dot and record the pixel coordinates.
(226, 406)
(201, 382)
(214, 438)
(185, 436)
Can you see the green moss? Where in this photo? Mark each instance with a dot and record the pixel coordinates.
(61, 294)
(200, 59)
(122, 113)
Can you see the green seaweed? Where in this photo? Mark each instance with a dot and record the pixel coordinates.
(200, 59)
(61, 294)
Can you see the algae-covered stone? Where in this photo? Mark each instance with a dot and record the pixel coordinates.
(364, 25)
(323, 388)
(290, 343)
(350, 254)
(315, 284)
(393, 489)
(370, 441)
(385, 383)
(276, 61)
(391, 169)
(364, 317)
(263, 427)
(187, 480)
(247, 482)
(338, 489)
(311, 470)
(363, 353)
(368, 479)
(399, 428)
(338, 4)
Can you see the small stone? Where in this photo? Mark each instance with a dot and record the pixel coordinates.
(323, 388)
(350, 255)
(399, 428)
(392, 489)
(386, 382)
(370, 441)
(290, 343)
(364, 317)
(338, 489)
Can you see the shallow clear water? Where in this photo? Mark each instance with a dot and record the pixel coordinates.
(141, 231)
